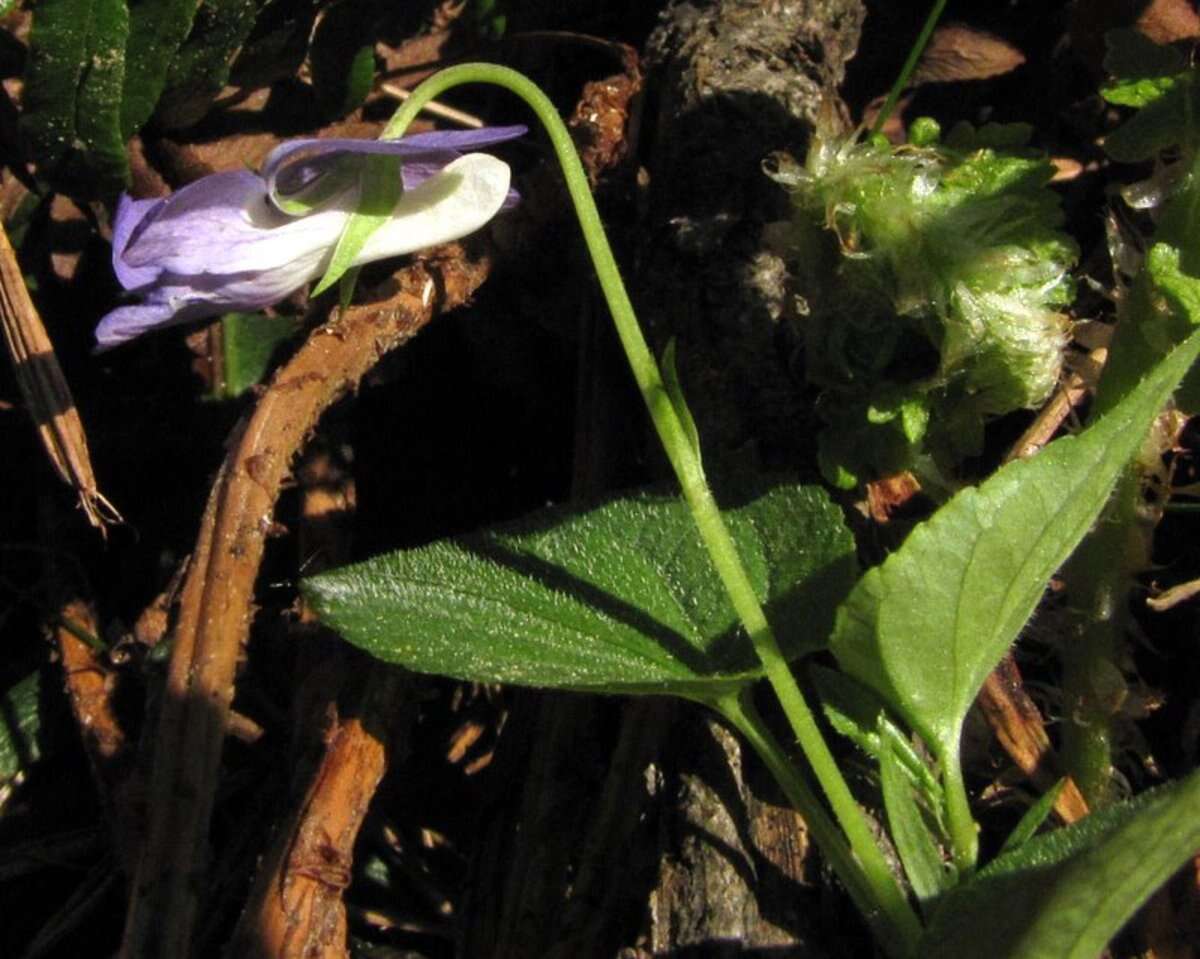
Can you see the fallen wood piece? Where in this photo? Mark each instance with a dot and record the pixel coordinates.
(217, 600)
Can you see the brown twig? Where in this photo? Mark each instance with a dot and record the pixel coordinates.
(1017, 723)
(295, 909)
(216, 606)
(90, 685)
(46, 392)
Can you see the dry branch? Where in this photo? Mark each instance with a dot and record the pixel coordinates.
(295, 910)
(45, 390)
(90, 682)
(216, 605)
(1018, 725)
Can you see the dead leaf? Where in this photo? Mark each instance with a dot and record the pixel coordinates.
(959, 52)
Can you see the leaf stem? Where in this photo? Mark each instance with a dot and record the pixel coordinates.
(895, 928)
(685, 460)
(1099, 579)
(964, 831)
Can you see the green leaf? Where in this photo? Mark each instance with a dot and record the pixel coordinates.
(621, 599)
(200, 69)
(856, 712)
(71, 105)
(379, 191)
(925, 628)
(20, 721)
(1143, 70)
(915, 842)
(342, 55)
(1168, 121)
(248, 343)
(1034, 816)
(1066, 894)
(157, 28)
(278, 45)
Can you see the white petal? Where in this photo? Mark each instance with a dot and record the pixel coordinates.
(459, 200)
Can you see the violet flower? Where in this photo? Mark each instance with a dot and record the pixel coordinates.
(241, 241)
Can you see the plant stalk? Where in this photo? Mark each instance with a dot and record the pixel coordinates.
(1099, 579)
(685, 460)
(964, 831)
(894, 924)
(910, 65)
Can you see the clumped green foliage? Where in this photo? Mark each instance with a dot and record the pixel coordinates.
(938, 305)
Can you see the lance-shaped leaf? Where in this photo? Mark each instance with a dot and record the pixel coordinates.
(157, 28)
(1064, 895)
(20, 722)
(199, 70)
(71, 105)
(925, 628)
(621, 599)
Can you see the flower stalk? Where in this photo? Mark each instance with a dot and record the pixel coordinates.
(864, 869)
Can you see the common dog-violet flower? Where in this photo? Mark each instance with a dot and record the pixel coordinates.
(242, 241)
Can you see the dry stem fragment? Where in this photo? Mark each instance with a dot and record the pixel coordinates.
(216, 606)
(1018, 726)
(46, 392)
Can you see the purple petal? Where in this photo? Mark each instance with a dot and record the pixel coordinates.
(131, 214)
(223, 224)
(294, 165)
(461, 140)
(219, 244)
(182, 299)
(127, 322)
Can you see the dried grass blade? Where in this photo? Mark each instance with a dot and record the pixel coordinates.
(46, 392)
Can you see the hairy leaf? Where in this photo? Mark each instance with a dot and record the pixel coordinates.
(71, 116)
(157, 28)
(199, 70)
(19, 725)
(619, 599)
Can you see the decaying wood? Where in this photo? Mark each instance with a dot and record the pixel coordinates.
(46, 392)
(734, 868)
(216, 605)
(91, 682)
(295, 910)
(735, 80)
(1018, 725)
(602, 121)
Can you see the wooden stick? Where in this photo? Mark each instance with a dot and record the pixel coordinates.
(216, 605)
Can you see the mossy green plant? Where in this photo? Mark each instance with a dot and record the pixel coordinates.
(935, 299)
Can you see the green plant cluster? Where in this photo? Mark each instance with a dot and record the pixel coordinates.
(955, 246)
(932, 277)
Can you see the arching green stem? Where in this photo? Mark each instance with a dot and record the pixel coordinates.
(685, 459)
(909, 65)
